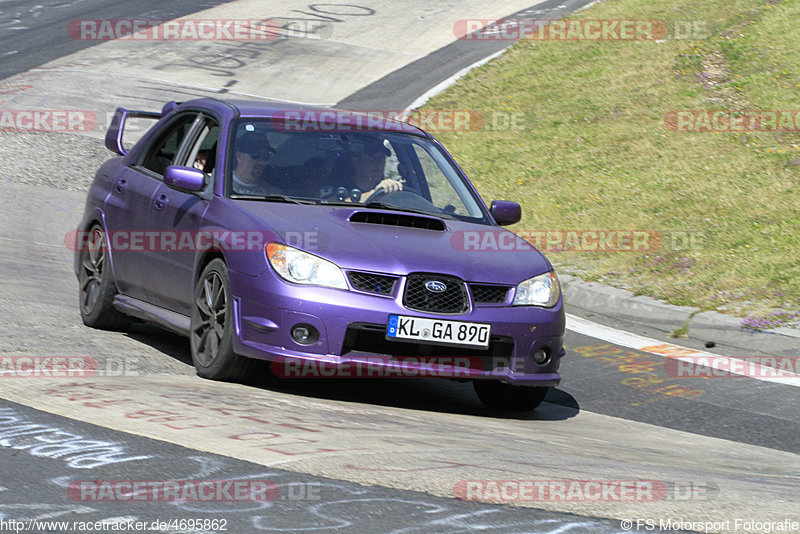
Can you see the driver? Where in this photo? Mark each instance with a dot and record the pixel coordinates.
(370, 165)
(367, 168)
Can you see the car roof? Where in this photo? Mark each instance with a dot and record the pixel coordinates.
(270, 109)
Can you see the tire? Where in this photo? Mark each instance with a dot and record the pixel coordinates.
(211, 336)
(499, 396)
(96, 289)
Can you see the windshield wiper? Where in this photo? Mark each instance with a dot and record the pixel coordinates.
(382, 205)
(285, 198)
(338, 203)
(274, 198)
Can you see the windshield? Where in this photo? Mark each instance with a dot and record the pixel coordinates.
(375, 168)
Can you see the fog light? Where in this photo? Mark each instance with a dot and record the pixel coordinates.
(305, 334)
(541, 356)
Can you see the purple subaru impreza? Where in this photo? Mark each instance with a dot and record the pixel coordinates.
(328, 243)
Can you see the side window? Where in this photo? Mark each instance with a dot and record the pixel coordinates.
(162, 153)
(443, 194)
(203, 154)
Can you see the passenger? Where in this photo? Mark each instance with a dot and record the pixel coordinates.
(201, 159)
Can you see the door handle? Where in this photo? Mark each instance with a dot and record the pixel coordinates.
(160, 202)
(119, 187)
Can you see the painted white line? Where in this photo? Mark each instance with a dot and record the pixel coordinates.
(726, 364)
(29, 242)
(587, 6)
(436, 89)
(606, 333)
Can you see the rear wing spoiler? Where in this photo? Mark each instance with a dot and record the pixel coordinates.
(117, 128)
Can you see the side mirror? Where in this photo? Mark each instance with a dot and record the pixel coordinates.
(505, 212)
(185, 178)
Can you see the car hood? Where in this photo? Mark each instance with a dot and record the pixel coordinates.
(473, 252)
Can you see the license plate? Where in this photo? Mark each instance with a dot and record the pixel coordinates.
(438, 331)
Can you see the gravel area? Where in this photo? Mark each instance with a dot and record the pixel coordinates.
(60, 160)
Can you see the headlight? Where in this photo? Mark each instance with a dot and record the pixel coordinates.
(303, 268)
(542, 290)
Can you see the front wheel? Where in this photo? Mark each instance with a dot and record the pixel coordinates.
(96, 289)
(499, 396)
(211, 338)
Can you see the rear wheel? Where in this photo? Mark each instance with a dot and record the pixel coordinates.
(96, 285)
(500, 396)
(211, 338)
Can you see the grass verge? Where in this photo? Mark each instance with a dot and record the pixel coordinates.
(595, 147)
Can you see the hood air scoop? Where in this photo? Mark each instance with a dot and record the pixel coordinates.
(398, 219)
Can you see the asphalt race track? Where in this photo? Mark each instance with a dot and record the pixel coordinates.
(346, 455)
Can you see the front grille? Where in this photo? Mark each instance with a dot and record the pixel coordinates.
(488, 294)
(453, 300)
(373, 283)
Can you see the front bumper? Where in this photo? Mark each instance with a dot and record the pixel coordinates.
(352, 325)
